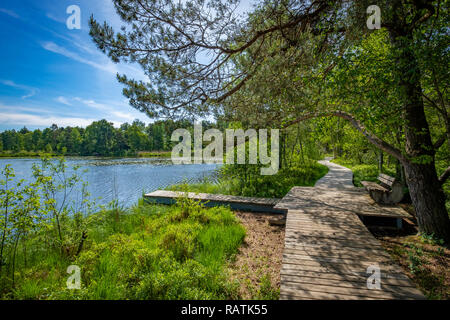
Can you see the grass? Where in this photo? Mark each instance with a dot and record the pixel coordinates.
(425, 261)
(151, 252)
(256, 185)
(154, 154)
(363, 172)
(23, 154)
(38, 154)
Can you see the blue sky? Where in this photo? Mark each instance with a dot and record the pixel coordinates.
(50, 74)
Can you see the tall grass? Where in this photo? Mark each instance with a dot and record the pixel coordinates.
(150, 252)
(252, 184)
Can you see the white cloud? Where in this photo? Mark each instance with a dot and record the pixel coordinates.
(23, 119)
(111, 109)
(12, 84)
(63, 100)
(124, 115)
(9, 13)
(53, 47)
(15, 108)
(54, 18)
(16, 115)
(91, 103)
(108, 66)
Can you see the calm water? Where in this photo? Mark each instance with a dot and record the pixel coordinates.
(124, 179)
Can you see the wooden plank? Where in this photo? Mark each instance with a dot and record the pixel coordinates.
(212, 197)
(359, 292)
(291, 256)
(376, 210)
(323, 227)
(330, 234)
(354, 203)
(343, 254)
(369, 185)
(344, 232)
(386, 177)
(339, 267)
(395, 289)
(292, 244)
(292, 297)
(331, 242)
(308, 222)
(342, 280)
(212, 200)
(297, 293)
(295, 269)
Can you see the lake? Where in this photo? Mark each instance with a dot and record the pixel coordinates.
(124, 179)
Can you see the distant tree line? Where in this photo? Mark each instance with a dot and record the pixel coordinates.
(100, 138)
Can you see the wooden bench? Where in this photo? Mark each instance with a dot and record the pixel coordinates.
(389, 191)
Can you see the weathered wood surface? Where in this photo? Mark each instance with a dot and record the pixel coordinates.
(370, 185)
(235, 202)
(389, 191)
(328, 249)
(346, 201)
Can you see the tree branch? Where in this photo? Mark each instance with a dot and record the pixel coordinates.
(440, 141)
(444, 176)
(381, 144)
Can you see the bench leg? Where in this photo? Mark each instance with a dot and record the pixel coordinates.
(399, 223)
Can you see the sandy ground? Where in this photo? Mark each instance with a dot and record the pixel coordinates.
(260, 255)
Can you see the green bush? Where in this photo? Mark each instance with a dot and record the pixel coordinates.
(147, 252)
(246, 180)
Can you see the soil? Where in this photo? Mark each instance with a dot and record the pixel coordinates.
(260, 255)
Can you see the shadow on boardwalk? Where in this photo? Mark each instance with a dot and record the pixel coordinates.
(328, 250)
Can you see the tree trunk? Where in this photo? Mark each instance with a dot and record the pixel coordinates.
(421, 176)
(428, 200)
(380, 161)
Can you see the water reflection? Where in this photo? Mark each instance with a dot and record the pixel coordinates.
(125, 179)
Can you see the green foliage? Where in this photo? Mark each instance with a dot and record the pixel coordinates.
(415, 254)
(361, 172)
(266, 290)
(245, 180)
(430, 239)
(100, 138)
(149, 252)
(33, 223)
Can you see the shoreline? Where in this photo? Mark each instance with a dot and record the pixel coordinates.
(151, 156)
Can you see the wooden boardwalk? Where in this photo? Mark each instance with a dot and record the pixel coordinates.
(234, 202)
(328, 249)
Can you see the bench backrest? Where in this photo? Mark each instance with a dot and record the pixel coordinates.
(386, 180)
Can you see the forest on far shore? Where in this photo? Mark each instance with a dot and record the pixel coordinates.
(100, 138)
